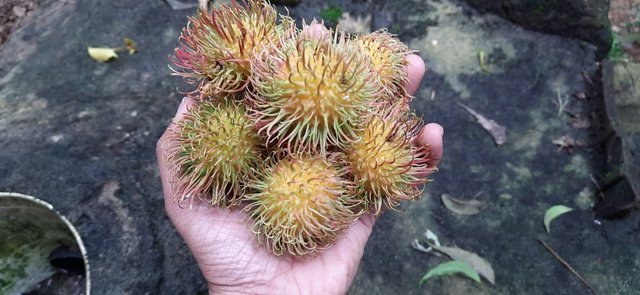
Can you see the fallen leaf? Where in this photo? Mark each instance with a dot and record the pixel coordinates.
(451, 268)
(552, 213)
(464, 207)
(566, 142)
(430, 236)
(102, 54)
(432, 239)
(581, 96)
(130, 45)
(497, 131)
(19, 11)
(177, 5)
(482, 61)
(479, 264)
(580, 122)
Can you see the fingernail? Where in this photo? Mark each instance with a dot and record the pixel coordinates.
(436, 128)
(440, 129)
(183, 106)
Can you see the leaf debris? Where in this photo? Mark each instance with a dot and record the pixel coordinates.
(451, 268)
(482, 61)
(178, 5)
(552, 213)
(464, 207)
(567, 143)
(102, 54)
(479, 264)
(497, 131)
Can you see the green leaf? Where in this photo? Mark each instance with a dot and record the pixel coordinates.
(479, 264)
(452, 268)
(332, 13)
(554, 212)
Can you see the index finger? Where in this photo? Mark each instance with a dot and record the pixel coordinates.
(415, 71)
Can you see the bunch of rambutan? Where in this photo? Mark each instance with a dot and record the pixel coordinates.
(304, 129)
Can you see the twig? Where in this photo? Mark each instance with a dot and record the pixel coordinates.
(593, 179)
(568, 266)
(416, 245)
(562, 101)
(586, 77)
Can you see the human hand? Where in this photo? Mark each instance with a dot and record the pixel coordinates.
(223, 245)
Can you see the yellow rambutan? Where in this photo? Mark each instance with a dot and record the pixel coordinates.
(216, 46)
(301, 203)
(213, 151)
(387, 55)
(305, 129)
(312, 92)
(387, 162)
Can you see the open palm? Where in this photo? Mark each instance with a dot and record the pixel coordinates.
(223, 244)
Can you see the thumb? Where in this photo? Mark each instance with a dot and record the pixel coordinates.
(166, 175)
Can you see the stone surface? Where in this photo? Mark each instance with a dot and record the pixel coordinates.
(623, 107)
(81, 135)
(583, 19)
(528, 76)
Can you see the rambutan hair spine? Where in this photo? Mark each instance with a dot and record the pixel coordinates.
(301, 203)
(387, 162)
(388, 55)
(213, 151)
(311, 93)
(216, 46)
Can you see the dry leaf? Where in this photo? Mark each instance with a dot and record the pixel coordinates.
(178, 5)
(567, 143)
(497, 131)
(464, 207)
(130, 45)
(19, 11)
(580, 122)
(102, 54)
(581, 96)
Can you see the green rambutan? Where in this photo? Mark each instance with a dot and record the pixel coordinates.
(387, 162)
(387, 55)
(312, 92)
(301, 203)
(213, 151)
(216, 47)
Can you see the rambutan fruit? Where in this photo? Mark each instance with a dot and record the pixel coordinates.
(387, 162)
(313, 92)
(387, 55)
(213, 150)
(301, 203)
(216, 47)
